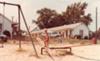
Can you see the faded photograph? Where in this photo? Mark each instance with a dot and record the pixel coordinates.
(49, 30)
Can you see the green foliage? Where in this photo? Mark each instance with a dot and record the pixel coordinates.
(74, 13)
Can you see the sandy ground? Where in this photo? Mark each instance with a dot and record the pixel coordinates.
(82, 53)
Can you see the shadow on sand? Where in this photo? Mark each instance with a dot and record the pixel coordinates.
(86, 58)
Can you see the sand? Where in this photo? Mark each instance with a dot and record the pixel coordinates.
(81, 53)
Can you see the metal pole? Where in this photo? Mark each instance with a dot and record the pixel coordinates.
(9, 3)
(28, 31)
(3, 17)
(96, 24)
(20, 10)
(96, 18)
(19, 30)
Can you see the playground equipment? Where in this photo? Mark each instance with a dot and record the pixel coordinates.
(46, 44)
(20, 13)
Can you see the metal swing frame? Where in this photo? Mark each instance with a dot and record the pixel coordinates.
(20, 13)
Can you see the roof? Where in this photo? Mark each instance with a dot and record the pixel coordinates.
(61, 28)
(34, 27)
(65, 27)
(5, 17)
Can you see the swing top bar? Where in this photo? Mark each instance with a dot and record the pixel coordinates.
(9, 4)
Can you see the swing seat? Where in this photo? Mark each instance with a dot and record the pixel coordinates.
(68, 48)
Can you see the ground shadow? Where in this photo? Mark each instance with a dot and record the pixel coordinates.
(86, 58)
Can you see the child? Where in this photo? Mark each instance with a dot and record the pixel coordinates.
(46, 41)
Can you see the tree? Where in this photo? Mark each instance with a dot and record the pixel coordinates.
(76, 13)
(45, 17)
(57, 20)
(73, 14)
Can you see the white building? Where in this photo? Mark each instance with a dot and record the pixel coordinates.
(5, 25)
(80, 29)
(70, 30)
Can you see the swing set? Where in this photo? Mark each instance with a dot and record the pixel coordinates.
(20, 13)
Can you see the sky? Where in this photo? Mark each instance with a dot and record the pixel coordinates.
(30, 7)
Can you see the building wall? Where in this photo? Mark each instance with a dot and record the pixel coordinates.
(76, 30)
(6, 24)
